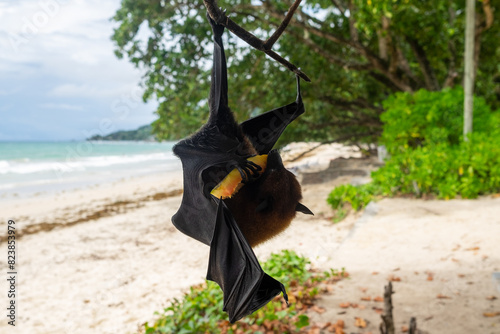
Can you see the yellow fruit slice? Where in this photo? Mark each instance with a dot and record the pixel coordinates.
(232, 182)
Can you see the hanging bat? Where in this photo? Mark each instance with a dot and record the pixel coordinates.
(237, 193)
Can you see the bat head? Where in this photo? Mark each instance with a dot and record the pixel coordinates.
(266, 206)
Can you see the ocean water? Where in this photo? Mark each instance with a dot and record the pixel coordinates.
(28, 168)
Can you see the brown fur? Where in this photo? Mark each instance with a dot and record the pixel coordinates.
(281, 189)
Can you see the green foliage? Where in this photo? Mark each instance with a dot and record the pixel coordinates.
(200, 310)
(339, 49)
(428, 156)
(429, 118)
(346, 197)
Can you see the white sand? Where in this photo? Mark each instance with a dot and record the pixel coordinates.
(109, 275)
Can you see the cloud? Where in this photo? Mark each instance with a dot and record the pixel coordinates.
(7, 92)
(95, 91)
(61, 106)
(64, 61)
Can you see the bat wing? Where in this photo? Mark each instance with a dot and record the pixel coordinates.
(203, 167)
(234, 266)
(264, 130)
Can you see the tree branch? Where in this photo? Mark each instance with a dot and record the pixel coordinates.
(452, 71)
(425, 66)
(220, 17)
(336, 60)
(482, 25)
(339, 6)
(375, 63)
(271, 40)
(352, 24)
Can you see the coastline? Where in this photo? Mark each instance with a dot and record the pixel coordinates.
(114, 258)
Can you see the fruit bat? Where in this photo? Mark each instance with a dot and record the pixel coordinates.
(237, 193)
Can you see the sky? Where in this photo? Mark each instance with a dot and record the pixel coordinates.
(59, 77)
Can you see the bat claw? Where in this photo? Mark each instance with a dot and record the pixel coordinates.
(248, 170)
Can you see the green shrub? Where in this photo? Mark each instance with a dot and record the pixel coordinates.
(428, 156)
(430, 118)
(346, 197)
(200, 310)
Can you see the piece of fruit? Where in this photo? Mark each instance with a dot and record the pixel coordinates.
(232, 182)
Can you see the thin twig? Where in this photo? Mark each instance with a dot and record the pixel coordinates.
(270, 42)
(220, 17)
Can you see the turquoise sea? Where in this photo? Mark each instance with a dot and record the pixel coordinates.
(27, 168)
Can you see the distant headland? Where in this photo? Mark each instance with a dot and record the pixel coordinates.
(144, 133)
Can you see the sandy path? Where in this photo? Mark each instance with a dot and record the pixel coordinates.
(446, 248)
(109, 275)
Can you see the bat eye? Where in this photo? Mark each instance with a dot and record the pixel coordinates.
(265, 205)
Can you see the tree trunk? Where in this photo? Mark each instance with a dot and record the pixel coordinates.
(469, 67)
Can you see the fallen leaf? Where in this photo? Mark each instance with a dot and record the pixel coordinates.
(336, 328)
(396, 269)
(329, 288)
(378, 310)
(366, 299)
(404, 329)
(354, 305)
(375, 273)
(472, 249)
(430, 276)
(325, 325)
(461, 275)
(318, 309)
(360, 323)
(314, 330)
(343, 312)
(491, 298)
(491, 314)
(393, 278)
(361, 307)
(440, 296)
(378, 299)
(345, 305)
(363, 289)
(339, 330)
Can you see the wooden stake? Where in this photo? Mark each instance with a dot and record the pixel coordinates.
(387, 325)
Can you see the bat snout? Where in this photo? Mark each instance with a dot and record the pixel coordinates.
(274, 161)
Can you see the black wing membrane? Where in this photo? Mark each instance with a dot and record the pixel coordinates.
(264, 130)
(197, 206)
(234, 266)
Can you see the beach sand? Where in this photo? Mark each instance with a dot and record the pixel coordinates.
(103, 260)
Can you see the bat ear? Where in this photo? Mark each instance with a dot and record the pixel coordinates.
(304, 209)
